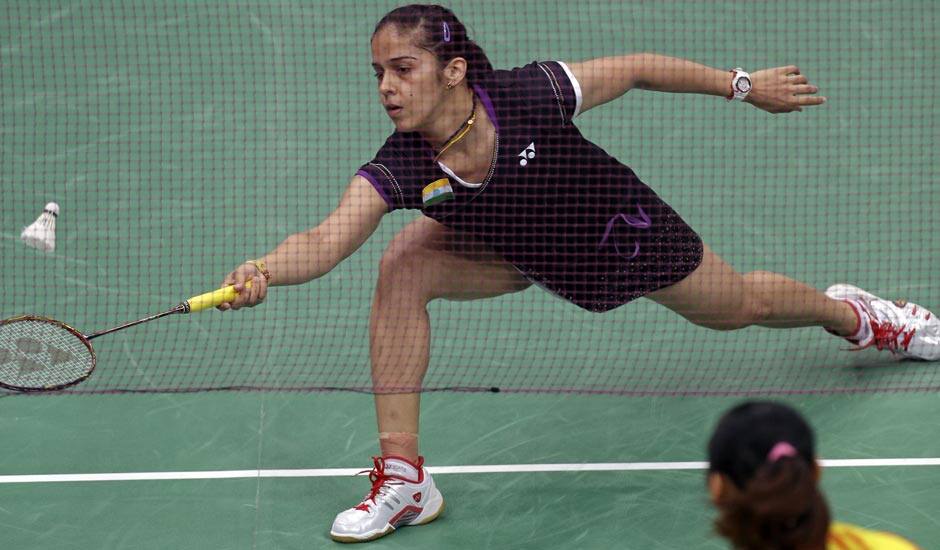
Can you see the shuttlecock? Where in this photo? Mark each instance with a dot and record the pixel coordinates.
(41, 233)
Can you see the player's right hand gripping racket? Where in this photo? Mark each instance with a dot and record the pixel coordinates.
(42, 354)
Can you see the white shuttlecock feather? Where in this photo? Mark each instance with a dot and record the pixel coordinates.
(41, 233)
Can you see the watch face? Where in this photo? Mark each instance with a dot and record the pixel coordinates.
(743, 84)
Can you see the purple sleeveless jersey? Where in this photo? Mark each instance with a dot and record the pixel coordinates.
(566, 214)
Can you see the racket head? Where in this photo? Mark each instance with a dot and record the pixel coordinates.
(42, 354)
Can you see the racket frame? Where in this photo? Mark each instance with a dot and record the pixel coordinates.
(196, 303)
(74, 332)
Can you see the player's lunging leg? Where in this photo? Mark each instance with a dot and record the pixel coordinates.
(717, 297)
(424, 262)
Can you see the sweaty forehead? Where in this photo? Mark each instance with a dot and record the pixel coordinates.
(390, 43)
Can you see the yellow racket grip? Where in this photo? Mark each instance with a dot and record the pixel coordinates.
(214, 298)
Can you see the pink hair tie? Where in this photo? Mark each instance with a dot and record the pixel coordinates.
(780, 450)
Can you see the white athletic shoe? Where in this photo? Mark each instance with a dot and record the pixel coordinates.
(901, 327)
(402, 494)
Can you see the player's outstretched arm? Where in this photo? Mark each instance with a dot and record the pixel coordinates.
(775, 90)
(313, 253)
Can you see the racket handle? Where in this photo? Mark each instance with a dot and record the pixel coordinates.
(213, 299)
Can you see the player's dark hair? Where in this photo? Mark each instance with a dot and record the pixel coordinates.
(440, 32)
(776, 504)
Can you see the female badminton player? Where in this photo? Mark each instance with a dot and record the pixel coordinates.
(512, 194)
(764, 479)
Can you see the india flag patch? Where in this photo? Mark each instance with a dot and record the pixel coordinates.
(437, 191)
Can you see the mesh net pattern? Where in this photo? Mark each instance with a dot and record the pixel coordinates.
(180, 138)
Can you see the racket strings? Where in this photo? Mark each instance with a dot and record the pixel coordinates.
(41, 353)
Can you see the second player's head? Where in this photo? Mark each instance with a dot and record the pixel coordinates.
(763, 478)
(423, 59)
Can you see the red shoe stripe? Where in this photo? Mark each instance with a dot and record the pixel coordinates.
(406, 514)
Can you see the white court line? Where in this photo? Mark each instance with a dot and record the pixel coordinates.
(487, 469)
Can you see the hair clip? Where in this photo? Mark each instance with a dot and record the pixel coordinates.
(446, 31)
(781, 450)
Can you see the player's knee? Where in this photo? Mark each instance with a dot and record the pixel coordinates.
(403, 272)
(753, 309)
(396, 270)
(724, 323)
(759, 308)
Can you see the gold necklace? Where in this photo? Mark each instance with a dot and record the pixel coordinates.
(462, 131)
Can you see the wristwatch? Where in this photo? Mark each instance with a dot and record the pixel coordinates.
(740, 84)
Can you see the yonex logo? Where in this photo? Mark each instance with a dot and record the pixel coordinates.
(527, 155)
(417, 497)
(31, 356)
(395, 468)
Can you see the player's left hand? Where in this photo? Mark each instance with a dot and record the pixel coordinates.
(782, 90)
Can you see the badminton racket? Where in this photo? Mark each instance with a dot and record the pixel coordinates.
(41, 354)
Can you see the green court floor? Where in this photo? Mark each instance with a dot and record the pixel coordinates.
(559, 510)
